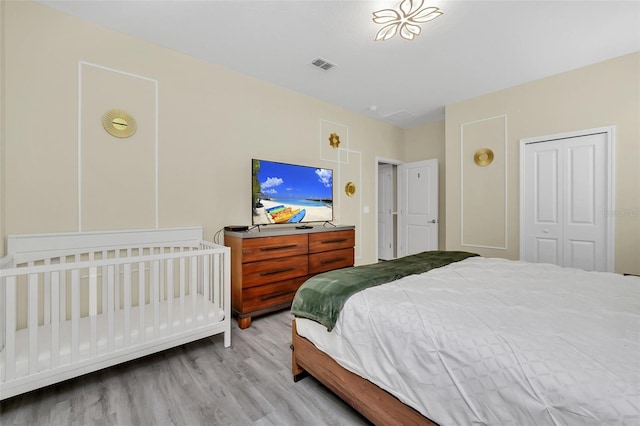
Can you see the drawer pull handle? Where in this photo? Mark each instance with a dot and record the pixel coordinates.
(334, 260)
(337, 240)
(274, 295)
(278, 247)
(277, 271)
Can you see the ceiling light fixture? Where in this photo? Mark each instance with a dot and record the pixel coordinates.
(407, 19)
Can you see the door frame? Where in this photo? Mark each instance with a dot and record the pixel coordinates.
(378, 161)
(609, 131)
(391, 215)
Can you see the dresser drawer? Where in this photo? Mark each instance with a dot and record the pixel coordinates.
(268, 271)
(325, 241)
(326, 261)
(269, 295)
(255, 249)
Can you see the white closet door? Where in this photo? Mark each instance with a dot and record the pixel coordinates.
(565, 193)
(585, 228)
(543, 214)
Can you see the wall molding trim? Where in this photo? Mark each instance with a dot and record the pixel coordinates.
(504, 246)
(82, 64)
(351, 160)
(328, 153)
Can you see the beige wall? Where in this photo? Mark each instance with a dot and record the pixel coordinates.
(424, 143)
(210, 123)
(603, 94)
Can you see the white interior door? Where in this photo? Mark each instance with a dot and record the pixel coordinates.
(417, 207)
(565, 202)
(385, 212)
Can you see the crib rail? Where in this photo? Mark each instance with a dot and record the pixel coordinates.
(73, 314)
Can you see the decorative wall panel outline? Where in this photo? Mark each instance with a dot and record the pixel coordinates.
(334, 151)
(84, 67)
(483, 190)
(350, 170)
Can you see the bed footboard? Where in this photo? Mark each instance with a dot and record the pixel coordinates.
(377, 405)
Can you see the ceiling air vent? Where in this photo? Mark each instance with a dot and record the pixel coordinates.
(323, 64)
(399, 117)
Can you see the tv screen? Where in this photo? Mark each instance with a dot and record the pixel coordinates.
(285, 193)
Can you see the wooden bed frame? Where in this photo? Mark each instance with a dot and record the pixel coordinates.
(376, 404)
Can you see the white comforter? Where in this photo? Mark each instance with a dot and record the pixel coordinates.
(498, 342)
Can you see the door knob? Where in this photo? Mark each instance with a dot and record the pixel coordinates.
(545, 230)
(433, 221)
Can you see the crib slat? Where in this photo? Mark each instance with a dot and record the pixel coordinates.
(32, 323)
(55, 319)
(162, 250)
(116, 285)
(110, 284)
(47, 294)
(206, 282)
(75, 314)
(63, 291)
(182, 292)
(104, 285)
(154, 284)
(193, 278)
(141, 302)
(93, 290)
(93, 307)
(127, 303)
(169, 298)
(10, 331)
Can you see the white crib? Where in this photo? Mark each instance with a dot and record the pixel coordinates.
(74, 303)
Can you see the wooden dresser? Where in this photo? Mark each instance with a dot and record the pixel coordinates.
(268, 266)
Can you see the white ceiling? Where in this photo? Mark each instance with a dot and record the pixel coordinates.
(476, 47)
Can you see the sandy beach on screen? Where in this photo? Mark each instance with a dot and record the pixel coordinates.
(313, 214)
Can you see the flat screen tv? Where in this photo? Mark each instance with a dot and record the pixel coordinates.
(283, 193)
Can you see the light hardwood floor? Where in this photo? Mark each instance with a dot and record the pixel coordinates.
(200, 383)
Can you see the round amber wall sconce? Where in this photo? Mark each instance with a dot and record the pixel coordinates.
(483, 157)
(350, 189)
(119, 123)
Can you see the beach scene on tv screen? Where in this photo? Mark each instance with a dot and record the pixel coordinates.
(289, 193)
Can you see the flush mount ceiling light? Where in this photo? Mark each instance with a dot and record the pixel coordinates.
(406, 19)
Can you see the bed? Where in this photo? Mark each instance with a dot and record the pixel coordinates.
(474, 340)
(74, 303)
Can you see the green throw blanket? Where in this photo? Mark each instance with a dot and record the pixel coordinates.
(322, 297)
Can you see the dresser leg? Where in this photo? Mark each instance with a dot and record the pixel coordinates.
(244, 322)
